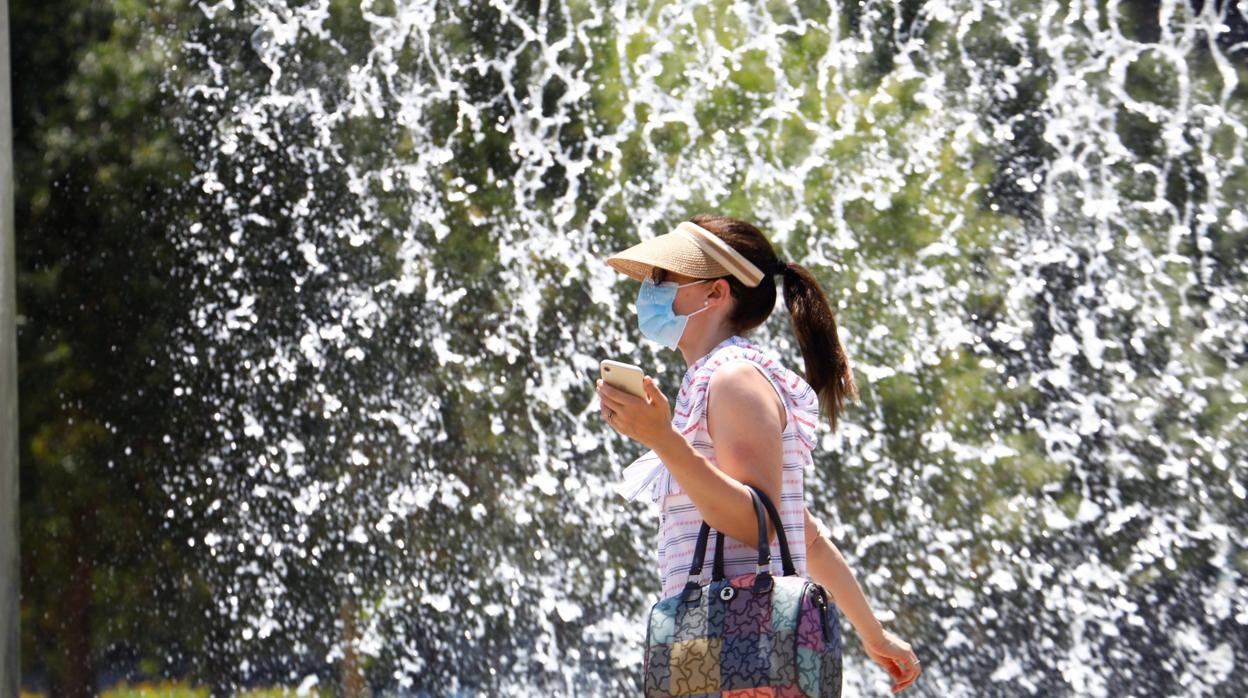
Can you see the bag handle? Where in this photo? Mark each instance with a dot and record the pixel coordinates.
(717, 565)
(699, 550)
(786, 558)
(763, 572)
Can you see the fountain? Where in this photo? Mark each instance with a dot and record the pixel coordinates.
(1028, 213)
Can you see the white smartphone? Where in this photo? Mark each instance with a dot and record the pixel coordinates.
(626, 377)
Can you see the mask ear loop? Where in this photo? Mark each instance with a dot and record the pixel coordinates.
(706, 304)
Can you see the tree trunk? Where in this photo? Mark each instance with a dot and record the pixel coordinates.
(76, 679)
(352, 679)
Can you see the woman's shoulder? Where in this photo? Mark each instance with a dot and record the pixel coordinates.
(799, 397)
(738, 349)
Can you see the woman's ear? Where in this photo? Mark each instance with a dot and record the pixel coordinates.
(720, 291)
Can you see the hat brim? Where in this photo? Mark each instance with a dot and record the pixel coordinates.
(671, 252)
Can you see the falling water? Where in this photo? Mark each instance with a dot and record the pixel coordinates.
(1028, 214)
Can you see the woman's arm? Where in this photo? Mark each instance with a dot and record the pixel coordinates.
(722, 500)
(826, 565)
(745, 419)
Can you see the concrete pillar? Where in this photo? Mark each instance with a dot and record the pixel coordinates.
(10, 640)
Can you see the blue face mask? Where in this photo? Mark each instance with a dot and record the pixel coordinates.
(655, 317)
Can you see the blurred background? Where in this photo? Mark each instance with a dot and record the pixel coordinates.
(311, 295)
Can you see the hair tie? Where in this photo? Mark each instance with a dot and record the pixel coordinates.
(779, 267)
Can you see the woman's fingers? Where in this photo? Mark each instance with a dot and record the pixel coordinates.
(906, 684)
(608, 402)
(608, 392)
(612, 408)
(897, 658)
(912, 671)
(605, 398)
(653, 394)
(889, 658)
(617, 399)
(896, 671)
(891, 666)
(644, 419)
(615, 405)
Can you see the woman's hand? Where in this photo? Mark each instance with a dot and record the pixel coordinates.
(897, 658)
(648, 420)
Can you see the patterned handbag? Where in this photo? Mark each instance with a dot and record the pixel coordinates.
(752, 635)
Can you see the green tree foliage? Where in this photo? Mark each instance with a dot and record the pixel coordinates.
(96, 164)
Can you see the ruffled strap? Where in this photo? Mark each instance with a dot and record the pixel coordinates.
(641, 475)
(799, 398)
(648, 474)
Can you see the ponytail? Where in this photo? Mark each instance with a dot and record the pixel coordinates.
(814, 323)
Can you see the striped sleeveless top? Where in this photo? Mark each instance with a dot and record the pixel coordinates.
(679, 518)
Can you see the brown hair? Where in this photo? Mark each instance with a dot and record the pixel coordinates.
(814, 322)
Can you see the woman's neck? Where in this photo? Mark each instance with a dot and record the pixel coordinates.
(701, 346)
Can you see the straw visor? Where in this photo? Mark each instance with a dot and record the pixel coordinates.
(689, 249)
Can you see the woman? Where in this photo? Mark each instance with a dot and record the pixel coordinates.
(741, 416)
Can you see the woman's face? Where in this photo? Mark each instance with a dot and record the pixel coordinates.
(690, 298)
